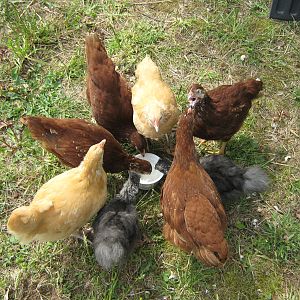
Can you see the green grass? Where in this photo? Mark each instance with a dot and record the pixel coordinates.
(42, 72)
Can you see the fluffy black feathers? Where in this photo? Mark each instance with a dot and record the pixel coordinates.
(163, 165)
(232, 181)
(116, 228)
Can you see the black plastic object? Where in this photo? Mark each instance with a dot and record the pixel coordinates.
(285, 10)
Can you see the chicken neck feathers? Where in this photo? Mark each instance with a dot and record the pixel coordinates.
(190, 202)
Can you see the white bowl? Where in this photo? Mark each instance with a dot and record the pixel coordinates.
(148, 181)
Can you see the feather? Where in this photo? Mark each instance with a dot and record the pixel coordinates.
(109, 95)
(231, 180)
(116, 228)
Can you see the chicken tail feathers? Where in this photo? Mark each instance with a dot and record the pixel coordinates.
(22, 223)
(39, 128)
(113, 242)
(211, 258)
(102, 76)
(255, 180)
(147, 67)
(208, 257)
(48, 132)
(95, 50)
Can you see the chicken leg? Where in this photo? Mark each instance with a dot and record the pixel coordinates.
(222, 148)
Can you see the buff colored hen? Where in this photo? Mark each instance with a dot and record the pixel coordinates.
(65, 203)
(155, 110)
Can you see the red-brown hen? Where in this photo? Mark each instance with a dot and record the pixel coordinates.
(194, 217)
(109, 95)
(70, 139)
(220, 112)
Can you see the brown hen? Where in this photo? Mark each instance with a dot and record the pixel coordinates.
(70, 139)
(194, 217)
(220, 112)
(109, 95)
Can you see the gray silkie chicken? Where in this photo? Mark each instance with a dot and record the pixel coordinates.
(116, 227)
(231, 180)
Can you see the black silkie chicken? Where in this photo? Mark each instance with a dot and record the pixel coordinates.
(231, 180)
(116, 228)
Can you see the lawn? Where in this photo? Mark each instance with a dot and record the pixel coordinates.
(42, 72)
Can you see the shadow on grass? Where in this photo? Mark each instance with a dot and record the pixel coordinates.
(157, 269)
(247, 151)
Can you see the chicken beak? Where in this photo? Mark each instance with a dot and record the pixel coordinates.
(156, 125)
(191, 97)
(102, 143)
(143, 152)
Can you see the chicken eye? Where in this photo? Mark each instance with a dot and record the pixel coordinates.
(200, 93)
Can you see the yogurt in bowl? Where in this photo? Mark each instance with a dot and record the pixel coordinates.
(148, 181)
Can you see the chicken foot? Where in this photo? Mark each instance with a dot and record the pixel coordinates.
(84, 235)
(144, 240)
(201, 142)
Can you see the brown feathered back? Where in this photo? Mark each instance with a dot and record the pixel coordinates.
(109, 94)
(220, 113)
(70, 139)
(194, 216)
